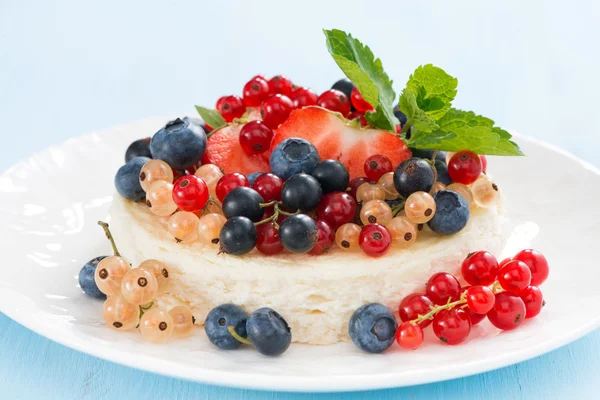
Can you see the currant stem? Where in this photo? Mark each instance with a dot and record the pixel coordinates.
(397, 208)
(109, 236)
(437, 309)
(269, 204)
(145, 308)
(237, 337)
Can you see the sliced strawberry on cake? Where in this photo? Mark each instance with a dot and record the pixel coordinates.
(336, 138)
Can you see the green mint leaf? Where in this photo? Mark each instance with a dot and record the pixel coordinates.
(416, 117)
(464, 130)
(366, 72)
(211, 117)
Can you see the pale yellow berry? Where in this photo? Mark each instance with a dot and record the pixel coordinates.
(109, 274)
(209, 229)
(119, 314)
(156, 325)
(160, 198)
(210, 174)
(369, 191)
(463, 190)
(386, 182)
(437, 186)
(160, 272)
(154, 171)
(183, 226)
(419, 207)
(183, 320)
(485, 192)
(375, 211)
(139, 286)
(403, 232)
(346, 237)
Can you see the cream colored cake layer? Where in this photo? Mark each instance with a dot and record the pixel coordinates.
(315, 294)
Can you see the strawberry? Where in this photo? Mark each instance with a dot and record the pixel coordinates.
(224, 150)
(335, 139)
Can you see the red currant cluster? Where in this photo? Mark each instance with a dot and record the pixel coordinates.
(506, 292)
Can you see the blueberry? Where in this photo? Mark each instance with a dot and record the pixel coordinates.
(252, 177)
(181, 143)
(426, 153)
(217, 324)
(127, 179)
(413, 175)
(197, 121)
(442, 172)
(269, 332)
(301, 192)
(87, 281)
(401, 116)
(245, 202)
(332, 176)
(452, 213)
(345, 86)
(298, 233)
(373, 327)
(293, 156)
(139, 148)
(238, 236)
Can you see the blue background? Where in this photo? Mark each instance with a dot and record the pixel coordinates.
(67, 67)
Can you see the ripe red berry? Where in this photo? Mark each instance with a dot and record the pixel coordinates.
(355, 184)
(464, 167)
(190, 193)
(376, 166)
(334, 100)
(303, 96)
(409, 335)
(255, 137)
(413, 305)
(533, 299)
(325, 239)
(268, 239)
(514, 276)
(279, 84)
(355, 114)
(228, 182)
(268, 186)
(230, 107)
(475, 318)
(452, 326)
(374, 240)
(358, 102)
(537, 263)
(480, 299)
(504, 262)
(337, 209)
(441, 287)
(480, 268)
(275, 110)
(483, 162)
(256, 90)
(508, 311)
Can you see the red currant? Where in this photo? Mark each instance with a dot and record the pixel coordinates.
(190, 193)
(514, 276)
(279, 84)
(483, 162)
(414, 305)
(268, 186)
(255, 137)
(376, 166)
(228, 182)
(355, 184)
(354, 115)
(255, 92)
(480, 268)
(302, 97)
(409, 335)
(374, 240)
(533, 299)
(230, 107)
(508, 311)
(475, 318)
(537, 263)
(268, 239)
(480, 299)
(337, 209)
(464, 167)
(275, 110)
(452, 326)
(442, 287)
(325, 239)
(358, 102)
(504, 262)
(334, 100)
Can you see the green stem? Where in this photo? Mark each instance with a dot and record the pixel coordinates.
(397, 208)
(145, 308)
(237, 337)
(269, 204)
(437, 309)
(109, 236)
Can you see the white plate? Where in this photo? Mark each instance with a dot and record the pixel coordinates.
(49, 205)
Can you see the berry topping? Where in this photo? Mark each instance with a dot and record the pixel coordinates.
(301, 192)
(355, 184)
(334, 100)
(420, 207)
(229, 182)
(256, 90)
(292, 156)
(533, 299)
(374, 240)
(238, 236)
(279, 84)
(255, 137)
(414, 305)
(345, 86)
(127, 179)
(303, 97)
(346, 237)
(190, 193)
(120, 315)
(268, 239)
(269, 332)
(358, 102)
(464, 167)
(217, 324)
(480, 299)
(275, 110)
(451, 215)
(442, 287)
(332, 176)
(183, 226)
(268, 186)
(160, 199)
(109, 274)
(139, 148)
(537, 263)
(298, 233)
(409, 335)
(153, 171)
(139, 286)
(508, 311)
(87, 281)
(413, 175)
(209, 228)
(181, 143)
(230, 107)
(373, 327)
(376, 211)
(337, 209)
(452, 326)
(325, 239)
(514, 276)
(480, 268)
(376, 166)
(243, 201)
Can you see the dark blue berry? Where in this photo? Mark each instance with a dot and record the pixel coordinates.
(238, 236)
(298, 233)
(87, 281)
(452, 213)
(252, 177)
(442, 172)
(301, 192)
(401, 116)
(413, 175)
(181, 143)
(269, 332)
(293, 156)
(373, 327)
(428, 154)
(217, 324)
(139, 148)
(332, 176)
(127, 179)
(345, 86)
(243, 201)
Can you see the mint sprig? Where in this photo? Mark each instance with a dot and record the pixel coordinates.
(211, 117)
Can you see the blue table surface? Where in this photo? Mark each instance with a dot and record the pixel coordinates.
(68, 67)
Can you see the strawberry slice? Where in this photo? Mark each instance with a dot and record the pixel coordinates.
(224, 150)
(335, 139)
